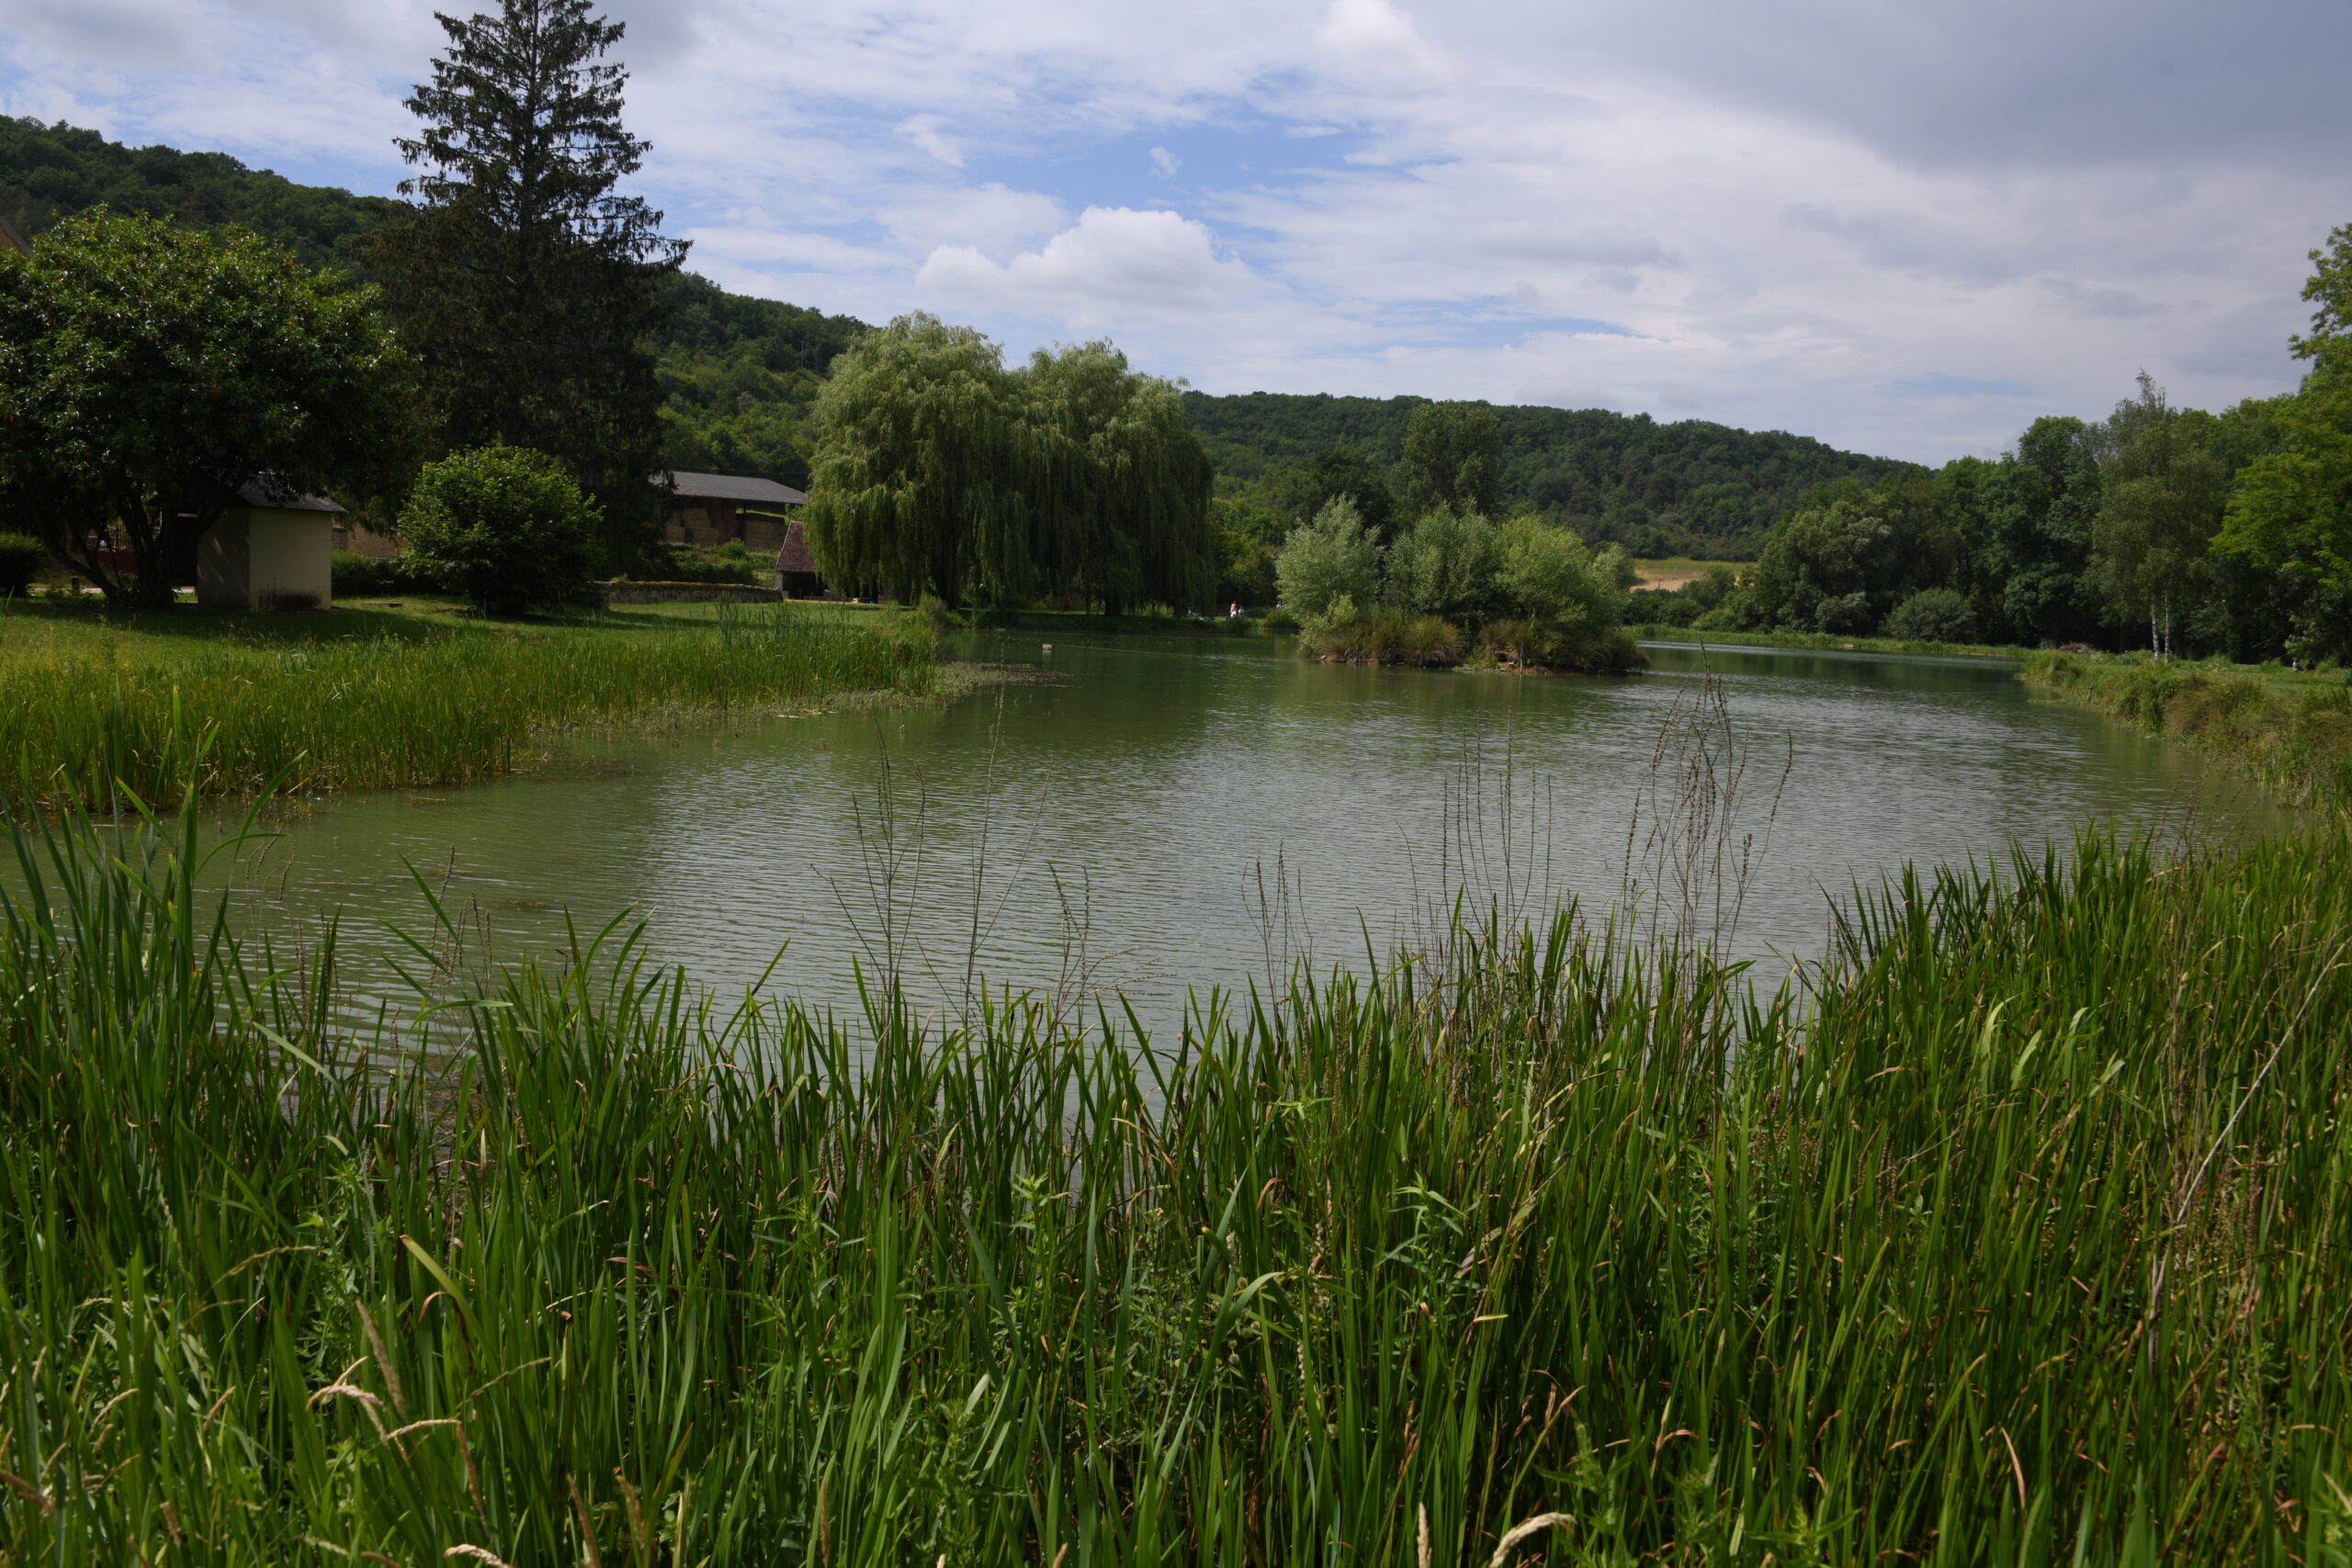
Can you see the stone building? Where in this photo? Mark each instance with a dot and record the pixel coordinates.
(710, 508)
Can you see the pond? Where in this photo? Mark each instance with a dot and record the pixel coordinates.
(1151, 816)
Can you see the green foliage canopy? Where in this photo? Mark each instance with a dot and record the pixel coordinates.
(1298, 492)
(1932, 614)
(2160, 501)
(1444, 565)
(49, 173)
(1546, 573)
(1684, 488)
(2289, 520)
(923, 461)
(1126, 484)
(1329, 559)
(503, 526)
(1453, 457)
(740, 378)
(149, 373)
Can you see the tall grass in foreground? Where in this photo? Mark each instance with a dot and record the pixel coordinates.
(2294, 738)
(2027, 1240)
(453, 709)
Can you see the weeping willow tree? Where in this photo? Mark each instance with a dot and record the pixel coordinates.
(1125, 479)
(925, 470)
(938, 470)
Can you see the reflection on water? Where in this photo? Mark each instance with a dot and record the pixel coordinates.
(1168, 813)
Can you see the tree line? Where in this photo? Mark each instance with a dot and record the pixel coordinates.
(2178, 530)
(1684, 488)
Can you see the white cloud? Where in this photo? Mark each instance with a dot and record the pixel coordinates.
(1165, 163)
(925, 131)
(1114, 261)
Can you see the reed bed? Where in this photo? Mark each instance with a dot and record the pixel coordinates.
(2021, 1237)
(451, 707)
(2290, 733)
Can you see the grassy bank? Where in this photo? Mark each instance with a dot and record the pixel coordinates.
(2292, 732)
(1824, 640)
(388, 696)
(2026, 1242)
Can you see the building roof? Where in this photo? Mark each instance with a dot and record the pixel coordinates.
(266, 492)
(731, 487)
(795, 555)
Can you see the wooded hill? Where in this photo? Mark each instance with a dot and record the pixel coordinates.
(1688, 488)
(741, 372)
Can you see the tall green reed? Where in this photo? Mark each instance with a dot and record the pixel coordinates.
(447, 709)
(2019, 1237)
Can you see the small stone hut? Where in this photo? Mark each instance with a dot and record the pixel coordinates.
(271, 552)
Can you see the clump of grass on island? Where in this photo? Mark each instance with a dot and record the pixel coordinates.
(2290, 731)
(84, 709)
(2017, 1236)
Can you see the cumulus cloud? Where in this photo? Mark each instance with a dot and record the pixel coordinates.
(1113, 261)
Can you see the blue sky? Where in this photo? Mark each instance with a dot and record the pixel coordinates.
(1902, 227)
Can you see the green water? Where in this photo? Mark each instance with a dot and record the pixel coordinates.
(1153, 814)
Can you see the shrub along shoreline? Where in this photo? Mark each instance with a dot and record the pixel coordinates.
(382, 700)
(2021, 1239)
(2289, 731)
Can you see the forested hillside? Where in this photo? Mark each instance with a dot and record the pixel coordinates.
(1687, 488)
(740, 373)
(49, 171)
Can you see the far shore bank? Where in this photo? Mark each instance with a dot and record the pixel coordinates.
(2288, 730)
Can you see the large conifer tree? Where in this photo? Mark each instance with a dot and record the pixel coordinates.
(526, 285)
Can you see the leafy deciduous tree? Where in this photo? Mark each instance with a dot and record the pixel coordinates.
(503, 526)
(1328, 558)
(1300, 492)
(1444, 564)
(1453, 457)
(149, 373)
(1548, 574)
(2161, 500)
(2291, 518)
